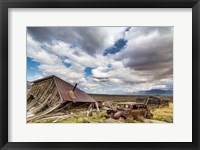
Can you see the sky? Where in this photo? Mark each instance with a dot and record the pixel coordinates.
(103, 60)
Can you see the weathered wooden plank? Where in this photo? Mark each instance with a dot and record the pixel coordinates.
(49, 98)
(42, 86)
(57, 103)
(37, 98)
(33, 102)
(45, 112)
(38, 108)
(50, 89)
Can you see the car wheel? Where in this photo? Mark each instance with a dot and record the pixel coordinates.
(117, 115)
(149, 115)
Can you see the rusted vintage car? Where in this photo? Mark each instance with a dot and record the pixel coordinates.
(130, 109)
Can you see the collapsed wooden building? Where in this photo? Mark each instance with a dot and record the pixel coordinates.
(52, 94)
(153, 101)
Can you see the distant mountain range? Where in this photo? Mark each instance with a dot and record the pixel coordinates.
(147, 92)
(156, 92)
(28, 85)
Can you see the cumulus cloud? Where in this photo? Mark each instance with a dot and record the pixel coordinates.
(90, 39)
(35, 51)
(143, 62)
(150, 50)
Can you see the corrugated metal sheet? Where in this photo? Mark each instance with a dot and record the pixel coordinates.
(64, 88)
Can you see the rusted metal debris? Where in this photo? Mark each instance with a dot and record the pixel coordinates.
(130, 110)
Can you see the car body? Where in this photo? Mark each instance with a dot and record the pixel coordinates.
(131, 110)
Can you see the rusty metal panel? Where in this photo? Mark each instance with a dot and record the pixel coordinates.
(64, 89)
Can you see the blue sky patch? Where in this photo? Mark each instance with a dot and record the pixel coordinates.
(68, 65)
(88, 71)
(31, 64)
(32, 67)
(119, 45)
(73, 46)
(109, 66)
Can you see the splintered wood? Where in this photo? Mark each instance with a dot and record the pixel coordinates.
(44, 99)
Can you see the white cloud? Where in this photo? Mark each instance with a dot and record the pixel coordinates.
(38, 54)
(145, 63)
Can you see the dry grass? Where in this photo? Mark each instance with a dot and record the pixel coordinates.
(84, 120)
(89, 119)
(131, 120)
(74, 118)
(163, 114)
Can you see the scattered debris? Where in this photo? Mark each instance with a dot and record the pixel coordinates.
(51, 99)
(153, 101)
(130, 109)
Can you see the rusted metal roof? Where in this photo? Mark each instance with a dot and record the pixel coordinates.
(64, 88)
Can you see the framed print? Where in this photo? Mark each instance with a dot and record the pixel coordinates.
(100, 75)
(140, 94)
